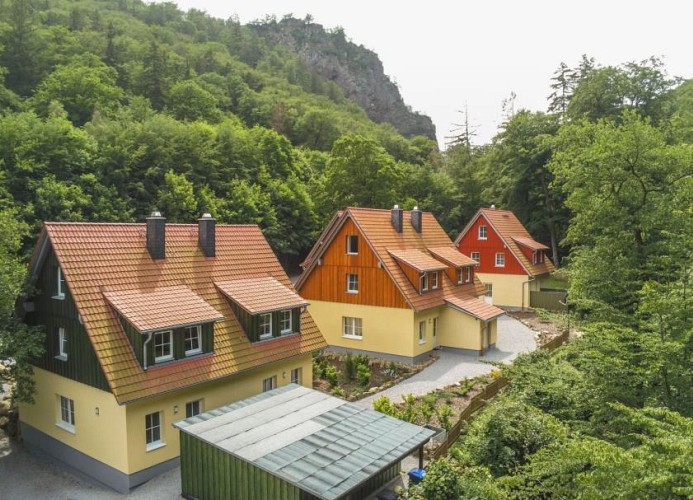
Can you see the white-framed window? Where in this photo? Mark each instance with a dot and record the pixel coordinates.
(269, 383)
(422, 332)
(352, 328)
(62, 344)
(435, 327)
(424, 282)
(500, 259)
(152, 429)
(488, 289)
(465, 275)
(163, 346)
(537, 257)
(434, 280)
(60, 285)
(296, 376)
(193, 408)
(66, 416)
(285, 321)
(193, 340)
(352, 283)
(352, 244)
(265, 326)
(483, 232)
(475, 256)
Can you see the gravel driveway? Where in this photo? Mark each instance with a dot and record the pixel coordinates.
(513, 338)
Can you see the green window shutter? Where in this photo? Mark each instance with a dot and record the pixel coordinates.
(178, 343)
(296, 320)
(253, 328)
(276, 330)
(208, 337)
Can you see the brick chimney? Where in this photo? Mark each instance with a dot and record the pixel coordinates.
(416, 219)
(206, 234)
(397, 218)
(156, 235)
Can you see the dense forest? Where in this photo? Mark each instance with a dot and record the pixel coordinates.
(112, 108)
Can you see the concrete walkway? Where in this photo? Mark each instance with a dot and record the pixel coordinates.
(513, 339)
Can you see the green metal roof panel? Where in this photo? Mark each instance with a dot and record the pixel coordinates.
(319, 443)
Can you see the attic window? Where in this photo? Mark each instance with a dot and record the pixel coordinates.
(537, 257)
(352, 244)
(464, 275)
(163, 346)
(483, 232)
(193, 340)
(424, 282)
(434, 280)
(60, 285)
(500, 259)
(475, 256)
(265, 326)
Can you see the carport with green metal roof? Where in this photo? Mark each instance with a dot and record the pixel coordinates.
(293, 443)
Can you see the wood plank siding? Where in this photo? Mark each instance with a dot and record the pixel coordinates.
(488, 248)
(328, 280)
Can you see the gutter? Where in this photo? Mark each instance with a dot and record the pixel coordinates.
(531, 278)
(144, 347)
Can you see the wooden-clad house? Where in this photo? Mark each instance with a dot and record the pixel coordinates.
(148, 324)
(511, 263)
(391, 284)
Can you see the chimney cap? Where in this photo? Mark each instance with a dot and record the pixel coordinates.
(155, 213)
(416, 207)
(396, 207)
(493, 207)
(206, 215)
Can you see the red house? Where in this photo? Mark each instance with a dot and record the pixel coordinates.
(511, 262)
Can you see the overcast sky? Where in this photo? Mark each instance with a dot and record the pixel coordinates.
(446, 55)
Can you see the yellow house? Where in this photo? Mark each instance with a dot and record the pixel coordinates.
(391, 284)
(511, 263)
(149, 324)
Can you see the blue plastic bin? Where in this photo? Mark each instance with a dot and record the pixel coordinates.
(416, 475)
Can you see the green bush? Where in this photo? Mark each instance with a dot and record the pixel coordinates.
(363, 375)
(362, 360)
(384, 405)
(349, 367)
(445, 416)
(331, 375)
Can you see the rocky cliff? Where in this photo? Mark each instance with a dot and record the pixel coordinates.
(357, 70)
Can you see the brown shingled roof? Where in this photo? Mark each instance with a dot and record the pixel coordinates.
(418, 260)
(376, 227)
(452, 256)
(114, 257)
(169, 307)
(510, 229)
(261, 295)
(475, 307)
(530, 243)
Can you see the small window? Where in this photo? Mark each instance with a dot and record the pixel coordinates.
(422, 332)
(475, 256)
(434, 280)
(465, 275)
(62, 344)
(269, 383)
(265, 326)
(352, 283)
(60, 286)
(500, 259)
(435, 327)
(285, 321)
(296, 376)
(193, 408)
(424, 282)
(193, 341)
(352, 244)
(152, 426)
(67, 414)
(163, 346)
(489, 290)
(352, 328)
(483, 232)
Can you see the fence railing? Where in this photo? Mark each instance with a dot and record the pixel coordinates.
(482, 399)
(551, 300)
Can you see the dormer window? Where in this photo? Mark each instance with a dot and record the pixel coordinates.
(465, 275)
(193, 340)
(537, 257)
(285, 325)
(434, 280)
(483, 232)
(352, 244)
(60, 285)
(265, 326)
(163, 346)
(424, 282)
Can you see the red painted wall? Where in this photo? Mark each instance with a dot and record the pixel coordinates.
(487, 250)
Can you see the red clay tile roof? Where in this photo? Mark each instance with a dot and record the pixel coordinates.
(376, 227)
(452, 256)
(475, 307)
(261, 295)
(530, 243)
(418, 260)
(509, 229)
(114, 257)
(169, 307)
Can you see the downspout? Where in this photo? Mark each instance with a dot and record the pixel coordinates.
(144, 347)
(531, 278)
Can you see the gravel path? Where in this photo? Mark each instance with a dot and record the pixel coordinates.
(513, 339)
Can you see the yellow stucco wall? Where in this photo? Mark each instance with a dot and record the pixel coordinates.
(493, 326)
(116, 436)
(507, 288)
(99, 436)
(385, 329)
(460, 330)
(213, 395)
(427, 318)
